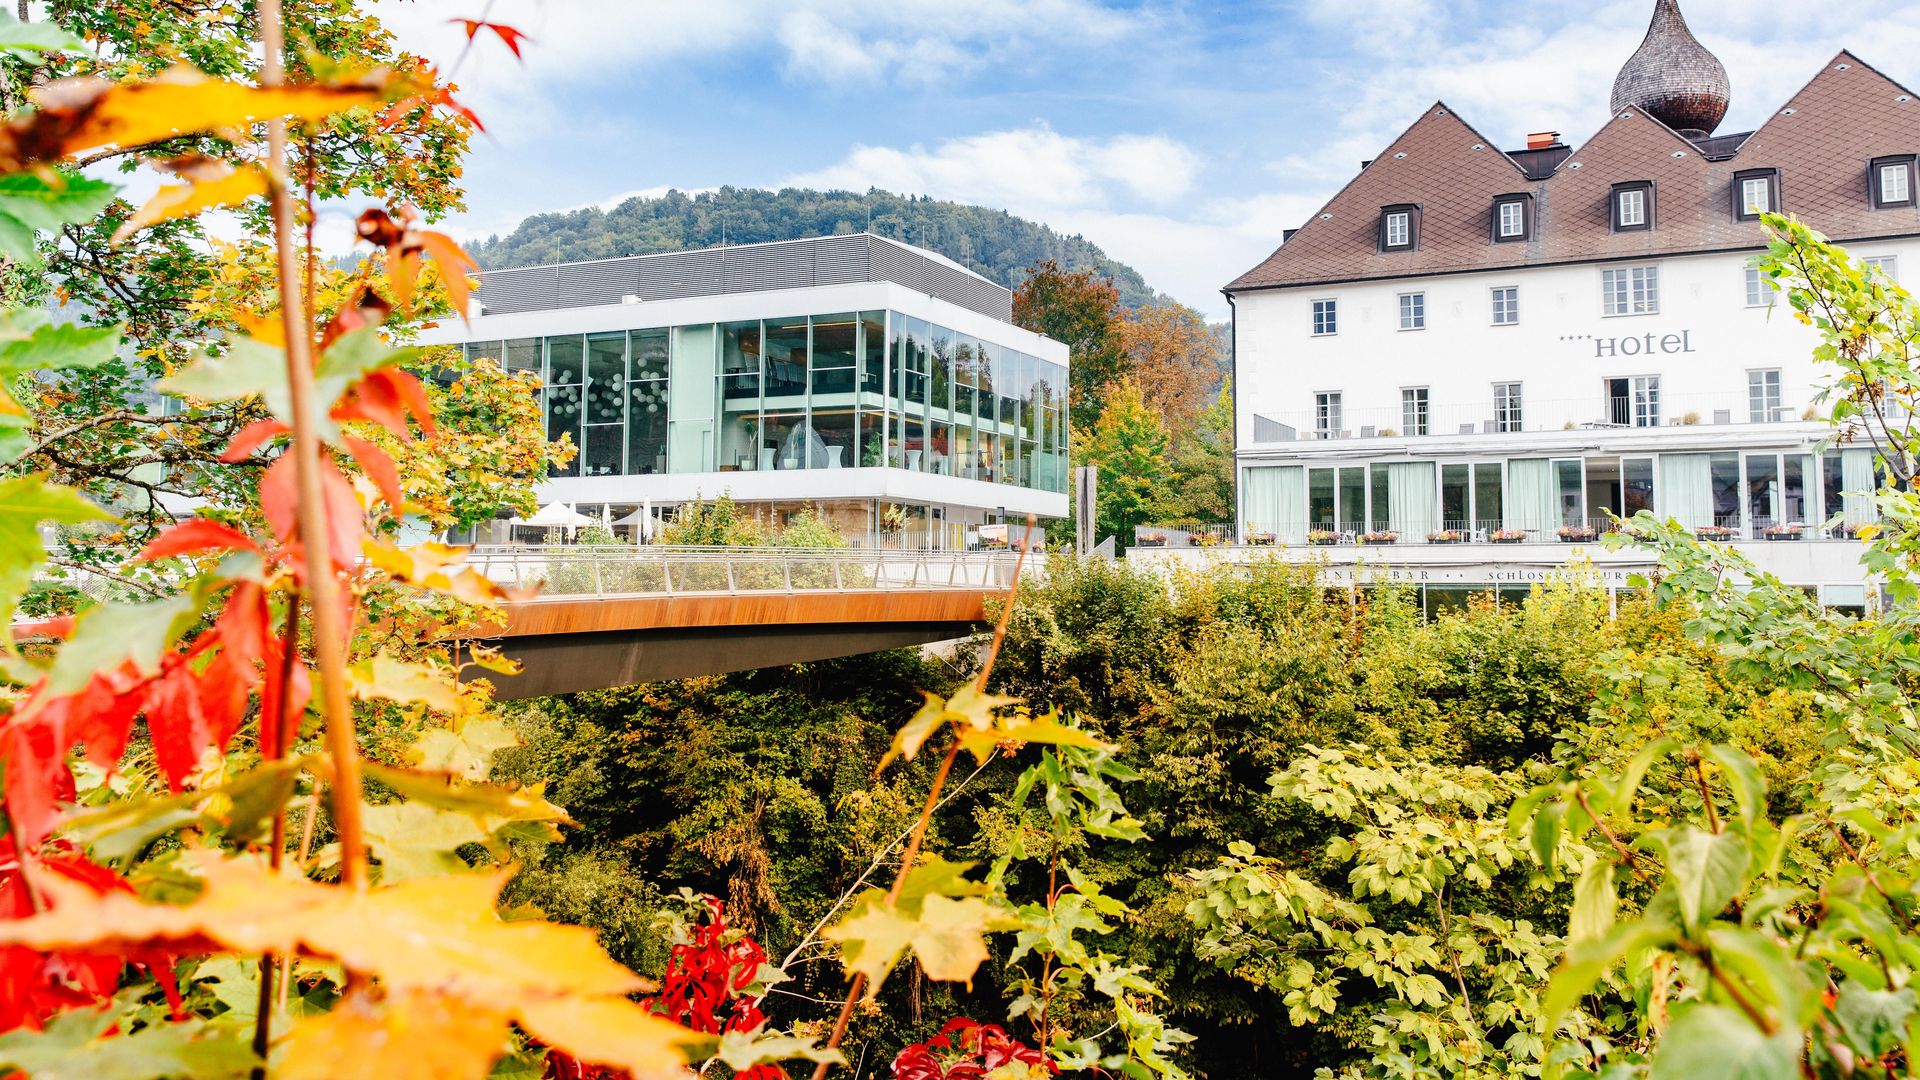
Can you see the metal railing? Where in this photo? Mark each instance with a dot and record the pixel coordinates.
(1729, 527)
(1600, 411)
(667, 570)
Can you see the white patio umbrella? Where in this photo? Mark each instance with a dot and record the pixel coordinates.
(554, 515)
(641, 519)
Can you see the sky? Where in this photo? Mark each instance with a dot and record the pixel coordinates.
(1181, 137)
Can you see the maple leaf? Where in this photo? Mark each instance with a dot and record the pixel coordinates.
(26, 502)
(467, 752)
(613, 1032)
(345, 520)
(507, 34)
(435, 566)
(379, 468)
(228, 188)
(412, 840)
(416, 1035)
(969, 707)
(79, 115)
(490, 806)
(405, 681)
(939, 915)
(196, 536)
(1019, 730)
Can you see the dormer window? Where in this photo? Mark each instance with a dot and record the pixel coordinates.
(1512, 218)
(1892, 181)
(1755, 192)
(1632, 206)
(1399, 227)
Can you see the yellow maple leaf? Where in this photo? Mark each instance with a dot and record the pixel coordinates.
(383, 676)
(969, 707)
(434, 566)
(939, 915)
(185, 200)
(1019, 730)
(613, 1032)
(416, 1035)
(182, 102)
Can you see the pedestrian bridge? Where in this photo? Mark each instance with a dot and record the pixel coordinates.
(620, 615)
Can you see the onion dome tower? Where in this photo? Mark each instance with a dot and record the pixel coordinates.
(1673, 78)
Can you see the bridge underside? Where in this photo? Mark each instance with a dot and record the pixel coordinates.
(567, 644)
(565, 663)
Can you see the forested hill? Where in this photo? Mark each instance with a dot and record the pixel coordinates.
(992, 243)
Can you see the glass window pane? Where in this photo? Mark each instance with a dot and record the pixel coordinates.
(1488, 512)
(1454, 497)
(523, 354)
(1725, 472)
(1763, 490)
(1320, 508)
(1573, 503)
(487, 350)
(602, 456)
(740, 446)
(647, 427)
(563, 421)
(1353, 499)
(606, 378)
(1637, 476)
(786, 349)
(834, 341)
(873, 354)
(832, 438)
(648, 352)
(565, 362)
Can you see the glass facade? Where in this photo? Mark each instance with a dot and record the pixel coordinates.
(830, 391)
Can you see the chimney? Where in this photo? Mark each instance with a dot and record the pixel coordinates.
(1541, 140)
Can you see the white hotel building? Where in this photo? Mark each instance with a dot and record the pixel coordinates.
(1475, 355)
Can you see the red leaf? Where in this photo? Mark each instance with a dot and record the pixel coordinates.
(176, 722)
(379, 468)
(364, 308)
(249, 438)
(37, 779)
(278, 695)
(196, 536)
(507, 34)
(280, 501)
(57, 628)
(377, 401)
(101, 716)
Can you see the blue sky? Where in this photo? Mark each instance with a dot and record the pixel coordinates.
(1179, 136)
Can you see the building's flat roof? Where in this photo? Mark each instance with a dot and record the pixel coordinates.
(736, 268)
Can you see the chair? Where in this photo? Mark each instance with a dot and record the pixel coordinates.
(1366, 432)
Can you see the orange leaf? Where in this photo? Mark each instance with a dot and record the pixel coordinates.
(197, 536)
(280, 501)
(379, 468)
(185, 200)
(92, 113)
(413, 1035)
(454, 265)
(507, 34)
(611, 1031)
(249, 438)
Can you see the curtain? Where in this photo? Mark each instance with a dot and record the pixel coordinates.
(1856, 486)
(1275, 500)
(1686, 489)
(1410, 502)
(1533, 497)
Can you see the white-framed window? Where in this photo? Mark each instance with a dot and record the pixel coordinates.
(1326, 414)
(1325, 317)
(1506, 407)
(1413, 311)
(1399, 228)
(1506, 305)
(1762, 290)
(1630, 290)
(1763, 395)
(1886, 264)
(1413, 410)
(1896, 184)
(1513, 218)
(1756, 195)
(1646, 401)
(1631, 208)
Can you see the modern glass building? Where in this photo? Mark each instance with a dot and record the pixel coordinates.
(874, 382)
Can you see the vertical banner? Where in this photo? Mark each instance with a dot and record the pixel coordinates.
(1086, 483)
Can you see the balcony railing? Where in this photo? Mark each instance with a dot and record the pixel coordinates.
(611, 570)
(1599, 412)
(1726, 528)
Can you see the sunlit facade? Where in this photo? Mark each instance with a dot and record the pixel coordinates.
(906, 417)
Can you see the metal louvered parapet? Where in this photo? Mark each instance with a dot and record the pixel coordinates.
(788, 264)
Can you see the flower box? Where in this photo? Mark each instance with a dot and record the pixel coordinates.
(1447, 536)
(1150, 540)
(1712, 532)
(1260, 539)
(1508, 536)
(1577, 534)
(1323, 538)
(1377, 538)
(1783, 532)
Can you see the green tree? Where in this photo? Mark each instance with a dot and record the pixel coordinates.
(1129, 447)
(1202, 463)
(1082, 309)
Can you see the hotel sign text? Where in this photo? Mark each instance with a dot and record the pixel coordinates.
(1636, 345)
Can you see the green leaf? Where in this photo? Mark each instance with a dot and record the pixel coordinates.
(26, 502)
(30, 203)
(35, 37)
(248, 368)
(1704, 870)
(1743, 776)
(1758, 959)
(1594, 902)
(76, 1045)
(242, 809)
(1586, 961)
(741, 1050)
(1713, 1042)
(412, 840)
(1875, 1021)
(1636, 771)
(467, 752)
(113, 633)
(1546, 832)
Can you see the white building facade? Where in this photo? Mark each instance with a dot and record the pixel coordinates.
(876, 384)
(1469, 354)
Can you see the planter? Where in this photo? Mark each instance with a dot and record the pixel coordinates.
(1260, 539)
(1445, 540)
(1782, 536)
(1509, 539)
(1328, 541)
(1162, 542)
(1713, 534)
(1577, 536)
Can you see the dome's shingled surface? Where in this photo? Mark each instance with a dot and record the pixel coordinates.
(1672, 77)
